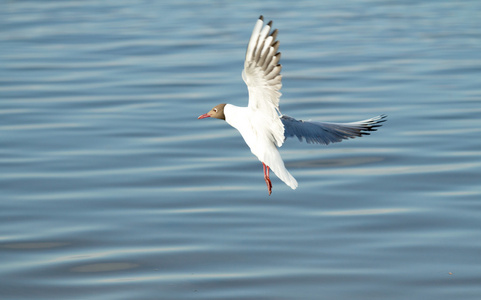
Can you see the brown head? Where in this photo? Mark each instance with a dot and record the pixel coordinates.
(217, 112)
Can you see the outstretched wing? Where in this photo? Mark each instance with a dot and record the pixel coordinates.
(262, 76)
(326, 133)
(262, 69)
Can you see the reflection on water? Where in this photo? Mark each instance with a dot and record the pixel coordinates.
(41, 245)
(334, 163)
(363, 212)
(112, 189)
(104, 267)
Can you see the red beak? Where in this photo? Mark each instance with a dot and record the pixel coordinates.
(203, 116)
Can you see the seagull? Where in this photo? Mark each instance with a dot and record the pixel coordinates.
(261, 123)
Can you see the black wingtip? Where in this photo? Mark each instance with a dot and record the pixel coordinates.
(382, 119)
(274, 34)
(269, 24)
(261, 18)
(377, 122)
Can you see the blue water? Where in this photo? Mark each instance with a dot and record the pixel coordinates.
(112, 189)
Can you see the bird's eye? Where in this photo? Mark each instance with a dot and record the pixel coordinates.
(215, 109)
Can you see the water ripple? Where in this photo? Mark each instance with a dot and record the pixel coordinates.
(112, 189)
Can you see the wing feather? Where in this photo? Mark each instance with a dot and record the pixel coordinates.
(263, 79)
(326, 133)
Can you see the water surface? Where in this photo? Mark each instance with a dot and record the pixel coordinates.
(112, 189)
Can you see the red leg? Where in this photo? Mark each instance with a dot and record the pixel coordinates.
(266, 178)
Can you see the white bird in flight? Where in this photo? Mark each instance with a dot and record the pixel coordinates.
(261, 123)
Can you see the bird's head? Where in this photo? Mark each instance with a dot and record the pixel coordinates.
(217, 112)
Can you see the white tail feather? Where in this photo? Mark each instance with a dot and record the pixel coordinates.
(274, 161)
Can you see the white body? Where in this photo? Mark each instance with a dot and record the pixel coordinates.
(259, 131)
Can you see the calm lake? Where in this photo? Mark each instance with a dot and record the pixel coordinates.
(110, 188)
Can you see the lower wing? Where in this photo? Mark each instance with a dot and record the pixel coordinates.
(326, 133)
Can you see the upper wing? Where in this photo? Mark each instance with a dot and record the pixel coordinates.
(325, 133)
(262, 75)
(261, 69)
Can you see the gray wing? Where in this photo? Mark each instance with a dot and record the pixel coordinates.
(326, 133)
